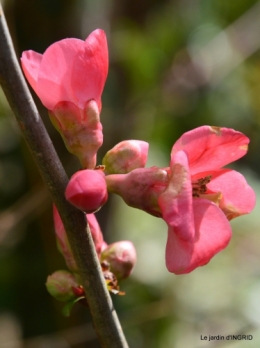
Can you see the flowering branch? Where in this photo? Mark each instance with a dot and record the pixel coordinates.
(105, 319)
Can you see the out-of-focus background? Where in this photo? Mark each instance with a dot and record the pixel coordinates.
(174, 65)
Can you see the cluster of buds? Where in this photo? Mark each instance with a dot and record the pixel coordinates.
(194, 195)
(117, 261)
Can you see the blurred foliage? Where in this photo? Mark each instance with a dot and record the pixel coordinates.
(174, 65)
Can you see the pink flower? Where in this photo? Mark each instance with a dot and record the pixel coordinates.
(69, 79)
(70, 70)
(87, 190)
(195, 196)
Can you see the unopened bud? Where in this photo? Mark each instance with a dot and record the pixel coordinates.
(121, 257)
(126, 156)
(87, 190)
(96, 232)
(60, 285)
(62, 241)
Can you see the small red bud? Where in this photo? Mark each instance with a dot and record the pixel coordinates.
(126, 156)
(87, 190)
(60, 285)
(121, 257)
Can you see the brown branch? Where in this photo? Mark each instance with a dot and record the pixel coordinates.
(104, 317)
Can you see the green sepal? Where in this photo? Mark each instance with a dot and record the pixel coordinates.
(66, 310)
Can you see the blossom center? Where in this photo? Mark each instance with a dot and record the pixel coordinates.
(200, 186)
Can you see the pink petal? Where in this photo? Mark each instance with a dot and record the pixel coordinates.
(197, 228)
(90, 69)
(176, 201)
(212, 234)
(59, 228)
(31, 63)
(210, 148)
(54, 80)
(238, 197)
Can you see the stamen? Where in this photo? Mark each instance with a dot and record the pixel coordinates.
(200, 186)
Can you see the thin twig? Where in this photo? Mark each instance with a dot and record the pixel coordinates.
(104, 317)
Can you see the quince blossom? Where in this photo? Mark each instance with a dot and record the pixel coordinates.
(69, 79)
(195, 196)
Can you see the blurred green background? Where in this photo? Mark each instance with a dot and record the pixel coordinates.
(174, 65)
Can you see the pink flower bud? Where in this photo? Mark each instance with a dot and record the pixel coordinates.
(121, 257)
(126, 156)
(63, 243)
(60, 285)
(69, 78)
(96, 232)
(87, 190)
(70, 70)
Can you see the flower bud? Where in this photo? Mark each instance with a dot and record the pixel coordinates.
(121, 257)
(126, 156)
(87, 190)
(62, 241)
(69, 78)
(60, 285)
(96, 232)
